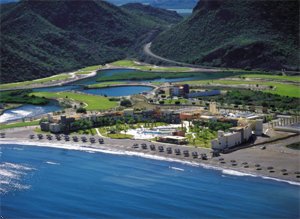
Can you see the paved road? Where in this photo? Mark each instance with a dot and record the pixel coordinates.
(147, 50)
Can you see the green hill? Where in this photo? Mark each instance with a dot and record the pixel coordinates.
(243, 34)
(42, 38)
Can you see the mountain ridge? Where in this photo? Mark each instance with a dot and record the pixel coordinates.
(43, 38)
(243, 34)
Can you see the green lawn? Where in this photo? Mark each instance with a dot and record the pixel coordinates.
(103, 131)
(119, 136)
(148, 67)
(92, 102)
(203, 138)
(91, 131)
(275, 77)
(105, 84)
(173, 101)
(281, 88)
(88, 70)
(284, 89)
(19, 124)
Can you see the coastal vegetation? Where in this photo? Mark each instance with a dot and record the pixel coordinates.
(92, 102)
(22, 96)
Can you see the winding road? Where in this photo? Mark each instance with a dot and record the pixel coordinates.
(147, 51)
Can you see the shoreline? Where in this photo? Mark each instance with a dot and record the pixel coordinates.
(119, 148)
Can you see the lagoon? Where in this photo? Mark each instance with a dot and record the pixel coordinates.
(116, 91)
(64, 183)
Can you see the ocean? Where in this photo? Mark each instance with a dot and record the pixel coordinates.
(41, 182)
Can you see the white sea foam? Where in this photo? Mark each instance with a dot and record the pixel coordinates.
(52, 163)
(6, 117)
(14, 114)
(4, 182)
(21, 112)
(7, 174)
(235, 173)
(15, 166)
(282, 180)
(176, 168)
(10, 175)
(139, 154)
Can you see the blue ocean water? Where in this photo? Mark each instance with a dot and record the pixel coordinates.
(41, 182)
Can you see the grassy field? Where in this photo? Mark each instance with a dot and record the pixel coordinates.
(19, 124)
(92, 102)
(103, 131)
(91, 131)
(54, 78)
(140, 76)
(272, 77)
(202, 138)
(119, 136)
(280, 88)
(147, 67)
(105, 84)
(38, 81)
(88, 70)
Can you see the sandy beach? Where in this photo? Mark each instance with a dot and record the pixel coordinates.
(274, 162)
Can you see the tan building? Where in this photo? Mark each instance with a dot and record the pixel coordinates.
(213, 108)
(237, 136)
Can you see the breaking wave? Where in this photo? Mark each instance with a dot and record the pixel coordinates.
(11, 175)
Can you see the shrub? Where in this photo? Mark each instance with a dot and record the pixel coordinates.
(81, 110)
(126, 103)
